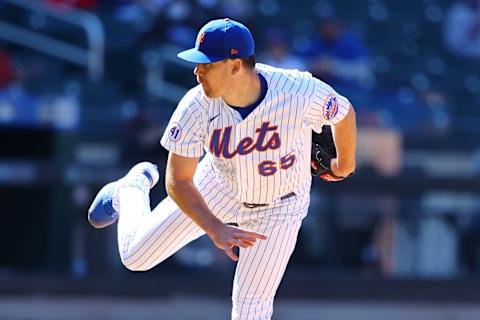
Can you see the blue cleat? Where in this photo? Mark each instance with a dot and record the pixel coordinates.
(102, 213)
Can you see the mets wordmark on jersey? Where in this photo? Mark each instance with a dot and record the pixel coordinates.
(266, 155)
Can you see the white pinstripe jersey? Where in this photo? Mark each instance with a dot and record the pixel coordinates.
(267, 154)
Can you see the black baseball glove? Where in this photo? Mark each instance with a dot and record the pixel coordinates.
(323, 151)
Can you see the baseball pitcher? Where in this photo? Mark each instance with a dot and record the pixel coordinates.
(253, 123)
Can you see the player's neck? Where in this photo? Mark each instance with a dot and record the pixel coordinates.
(245, 91)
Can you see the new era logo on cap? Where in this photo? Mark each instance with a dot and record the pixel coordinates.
(219, 40)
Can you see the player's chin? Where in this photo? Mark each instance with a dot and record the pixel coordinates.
(209, 93)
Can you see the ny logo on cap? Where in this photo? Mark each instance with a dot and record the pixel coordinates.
(201, 38)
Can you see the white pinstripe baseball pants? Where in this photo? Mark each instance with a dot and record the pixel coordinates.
(145, 239)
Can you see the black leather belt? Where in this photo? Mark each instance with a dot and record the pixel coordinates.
(256, 205)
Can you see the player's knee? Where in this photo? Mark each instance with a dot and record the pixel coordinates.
(135, 265)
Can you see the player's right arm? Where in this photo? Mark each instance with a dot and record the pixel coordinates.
(180, 187)
(185, 138)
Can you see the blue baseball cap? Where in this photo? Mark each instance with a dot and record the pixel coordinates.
(219, 40)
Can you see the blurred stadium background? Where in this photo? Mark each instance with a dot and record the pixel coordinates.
(87, 87)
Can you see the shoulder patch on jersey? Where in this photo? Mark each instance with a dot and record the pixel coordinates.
(330, 107)
(175, 131)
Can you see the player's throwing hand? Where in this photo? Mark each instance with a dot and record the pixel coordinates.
(226, 237)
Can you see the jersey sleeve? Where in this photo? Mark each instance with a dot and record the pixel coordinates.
(325, 107)
(184, 134)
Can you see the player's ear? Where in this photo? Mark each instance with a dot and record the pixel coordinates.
(236, 66)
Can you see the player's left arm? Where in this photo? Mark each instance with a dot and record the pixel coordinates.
(345, 138)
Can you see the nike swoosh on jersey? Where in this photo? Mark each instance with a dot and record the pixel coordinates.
(214, 117)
